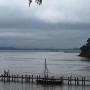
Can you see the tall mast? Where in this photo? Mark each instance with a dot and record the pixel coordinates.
(45, 69)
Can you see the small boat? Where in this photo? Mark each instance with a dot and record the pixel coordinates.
(50, 82)
(47, 80)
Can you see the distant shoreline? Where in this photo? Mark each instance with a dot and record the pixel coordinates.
(12, 48)
(43, 50)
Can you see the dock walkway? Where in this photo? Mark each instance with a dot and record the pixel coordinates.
(7, 77)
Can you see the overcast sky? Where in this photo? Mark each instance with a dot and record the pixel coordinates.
(54, 24)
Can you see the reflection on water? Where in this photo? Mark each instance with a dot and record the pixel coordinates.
(19, 86)
(33, 62)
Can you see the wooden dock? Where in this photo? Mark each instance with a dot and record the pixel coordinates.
(25, 78)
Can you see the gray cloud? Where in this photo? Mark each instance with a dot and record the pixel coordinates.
(37, 24)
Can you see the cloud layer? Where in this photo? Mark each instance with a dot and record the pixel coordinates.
(54, 24)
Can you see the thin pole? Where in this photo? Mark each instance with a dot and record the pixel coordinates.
(46, 69)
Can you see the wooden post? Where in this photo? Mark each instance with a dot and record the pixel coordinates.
(32, 78)
(77, 81)
(17, 77)
(37, 77)
(26, 78)
(22, 78)
(84, 81)
(1, 77)
(68, 80)
(9, 78)
(29, 78)
(4, 77)
(12, 77)
(53, 79)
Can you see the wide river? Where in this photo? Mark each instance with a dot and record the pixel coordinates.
(59, 63)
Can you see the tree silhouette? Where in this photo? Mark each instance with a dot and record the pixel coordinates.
(85, 49)
(39, 2)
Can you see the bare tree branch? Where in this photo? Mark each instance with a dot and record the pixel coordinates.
(39, 2)
(30, 1)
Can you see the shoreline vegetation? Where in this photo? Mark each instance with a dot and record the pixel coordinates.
(85, 49)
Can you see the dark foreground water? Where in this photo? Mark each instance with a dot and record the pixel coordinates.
(59, 63)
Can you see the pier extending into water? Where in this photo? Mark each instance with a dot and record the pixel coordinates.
(25, 78)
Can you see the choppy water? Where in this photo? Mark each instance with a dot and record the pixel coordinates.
(59, 63)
